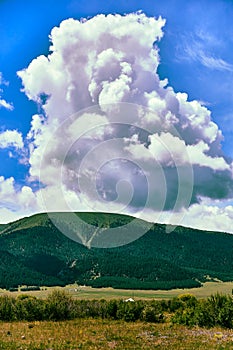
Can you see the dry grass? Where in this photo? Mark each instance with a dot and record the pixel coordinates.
(105, 334)
(109, 293)
(98, 334)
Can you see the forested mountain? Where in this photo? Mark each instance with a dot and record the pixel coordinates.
(35, 252)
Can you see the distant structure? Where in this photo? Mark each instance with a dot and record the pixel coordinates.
(129, 300)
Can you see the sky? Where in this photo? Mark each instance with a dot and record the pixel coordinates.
(118, 106)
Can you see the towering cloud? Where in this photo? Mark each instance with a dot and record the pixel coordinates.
(112, 132)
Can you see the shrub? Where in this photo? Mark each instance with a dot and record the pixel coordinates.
(188, 299)
(112, 307)
(7, 308)
(185, 317)
(175, 304)
(59, 306)
(187, 310)
(96, 308)
(129, 311)
(215, 311)
(29, 308)
(151, 313)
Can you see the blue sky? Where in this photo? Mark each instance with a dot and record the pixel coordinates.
(195, 52)
(190, 26)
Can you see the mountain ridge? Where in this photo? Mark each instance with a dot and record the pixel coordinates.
(185, 257)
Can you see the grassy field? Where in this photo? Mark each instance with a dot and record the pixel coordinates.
(104, 334)
(98, 334)
(81, 292)
(109, 293)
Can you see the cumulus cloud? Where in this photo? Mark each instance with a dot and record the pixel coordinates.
(207, 215)
(11, 138)
(15, 202)
(210, 216)
(109, 120)
(94, 60)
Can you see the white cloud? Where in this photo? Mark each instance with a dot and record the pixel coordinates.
(3, 81)
(114, 59)
(11, 138)
(171, 150)
(206, 215)
(15, 203)
(203, 48)
(210, 217)
(8, 215)
(198, 156)
(92, 61)
(6, 105)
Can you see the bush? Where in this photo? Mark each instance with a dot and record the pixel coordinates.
(112, 307)
(189, 300)
(215, 311)
(175, 304)
(7, 308)
(185, 317)
(59, 306)
(29, 288)
(29, 308)
(129, 311)
(151, 313)
(96, 308)
(187, 310)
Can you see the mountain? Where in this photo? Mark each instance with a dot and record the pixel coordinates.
(35, 252)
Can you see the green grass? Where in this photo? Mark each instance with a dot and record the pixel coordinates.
(27, 222)
(88, 333)
(82, 292)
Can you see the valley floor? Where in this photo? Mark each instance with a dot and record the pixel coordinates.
(93, 334)
(82, 292)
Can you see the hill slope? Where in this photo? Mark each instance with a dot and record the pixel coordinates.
(34, 252)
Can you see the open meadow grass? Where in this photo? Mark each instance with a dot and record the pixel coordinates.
(84, 292)
(60, 321)
(95, 334)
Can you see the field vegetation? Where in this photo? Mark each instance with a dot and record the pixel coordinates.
(63, 322)
(98, 334)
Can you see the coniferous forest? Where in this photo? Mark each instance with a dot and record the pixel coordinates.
(35, 252)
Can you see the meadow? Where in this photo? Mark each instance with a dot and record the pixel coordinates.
(56, 320)
(86, 292)
(93, 334)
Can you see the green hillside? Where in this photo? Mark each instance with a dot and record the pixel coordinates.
(35, 252)
(2, 227)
